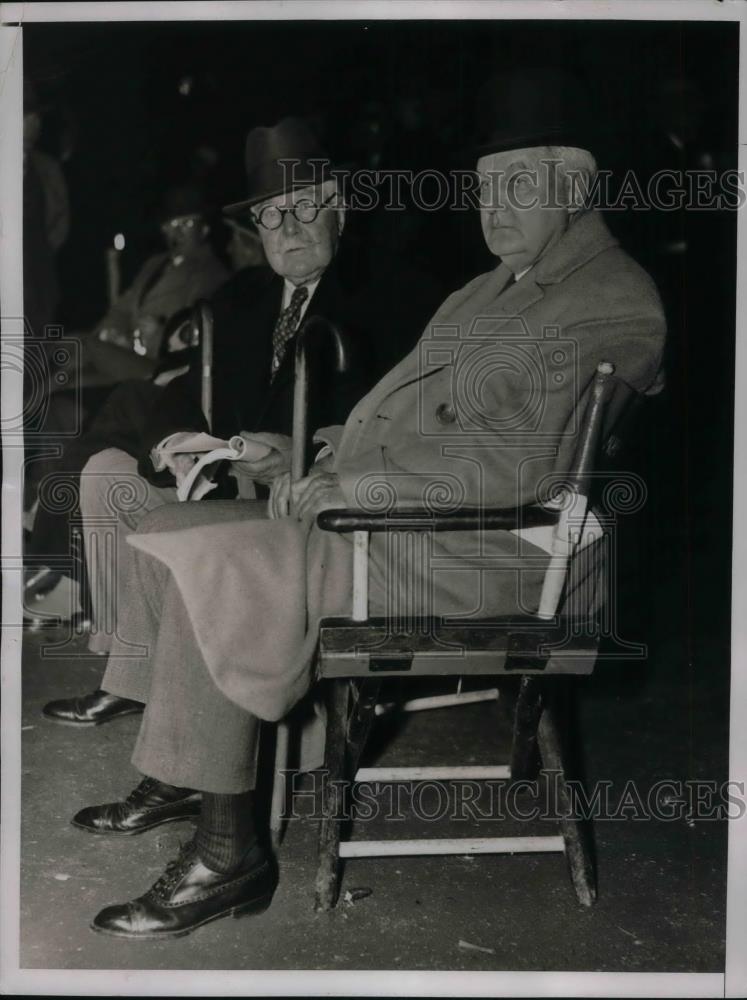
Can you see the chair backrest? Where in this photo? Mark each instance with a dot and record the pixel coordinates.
(577, 483)
(592, 427)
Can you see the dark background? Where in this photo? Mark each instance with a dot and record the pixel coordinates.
(128, 107)
(116, 112)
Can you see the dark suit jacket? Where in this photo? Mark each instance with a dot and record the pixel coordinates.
(245, 312)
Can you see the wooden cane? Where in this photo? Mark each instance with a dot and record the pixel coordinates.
(311, 335)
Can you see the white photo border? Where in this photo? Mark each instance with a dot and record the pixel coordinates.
(733, 982)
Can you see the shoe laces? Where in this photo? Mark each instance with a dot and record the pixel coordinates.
(175, 870)
(144, 788)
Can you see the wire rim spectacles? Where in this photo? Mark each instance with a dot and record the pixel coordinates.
(271, 217)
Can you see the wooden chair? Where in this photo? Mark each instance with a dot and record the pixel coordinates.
(544, 650)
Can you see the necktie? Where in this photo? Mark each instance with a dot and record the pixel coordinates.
(286, 326)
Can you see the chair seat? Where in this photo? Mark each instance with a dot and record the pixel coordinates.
(430, 646)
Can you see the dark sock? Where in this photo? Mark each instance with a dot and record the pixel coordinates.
(226, 836)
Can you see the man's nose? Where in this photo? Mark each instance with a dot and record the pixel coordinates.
(499, 214)
(291, 225)
(502, 215)
(499, 195)
(503, 204)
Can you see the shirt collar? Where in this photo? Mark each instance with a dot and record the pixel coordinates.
(289, 288)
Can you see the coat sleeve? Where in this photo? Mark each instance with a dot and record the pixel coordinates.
(122, 315)
(480, 433)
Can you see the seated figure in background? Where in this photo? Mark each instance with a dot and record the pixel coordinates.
(127, 341)
(127, 344)
(125, 350)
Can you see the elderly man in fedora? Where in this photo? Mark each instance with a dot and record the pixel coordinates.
(293, 205)
(482, 409)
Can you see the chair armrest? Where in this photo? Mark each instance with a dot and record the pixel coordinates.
(417, 519)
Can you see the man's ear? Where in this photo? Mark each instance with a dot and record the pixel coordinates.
(571, 197)
(340, 219)
(574, 195)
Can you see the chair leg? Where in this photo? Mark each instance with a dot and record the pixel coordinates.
(361, 719)
(524, 754)
(577, 848)
(333, 795)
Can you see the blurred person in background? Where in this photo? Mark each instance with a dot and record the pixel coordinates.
(126, 344)
(127, 341)
(46, 218)
(119, 423)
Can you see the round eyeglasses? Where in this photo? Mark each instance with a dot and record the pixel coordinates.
(180, 223)
(271, 217)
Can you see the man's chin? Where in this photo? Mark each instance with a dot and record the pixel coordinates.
(298, 258)
(299, 267)
(506, 245)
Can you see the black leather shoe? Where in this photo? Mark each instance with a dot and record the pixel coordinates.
(149, 805)
(90, 710)
(188, 895)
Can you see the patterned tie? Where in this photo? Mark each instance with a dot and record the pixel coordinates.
(286, 326)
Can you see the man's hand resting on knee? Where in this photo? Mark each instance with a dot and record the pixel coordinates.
(275, 463)
(318, 491)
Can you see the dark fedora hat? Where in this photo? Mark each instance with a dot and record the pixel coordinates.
(540, 106)
(281, 158)
(183, 199)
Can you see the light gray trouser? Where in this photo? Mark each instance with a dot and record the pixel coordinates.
(113, 501)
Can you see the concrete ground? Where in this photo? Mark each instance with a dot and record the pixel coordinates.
(661, 884)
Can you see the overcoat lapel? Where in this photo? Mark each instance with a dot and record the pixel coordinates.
(489, 299)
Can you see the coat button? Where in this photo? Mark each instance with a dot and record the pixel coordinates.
(445, 414)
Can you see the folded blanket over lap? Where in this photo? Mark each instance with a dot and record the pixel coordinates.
(252, 591)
